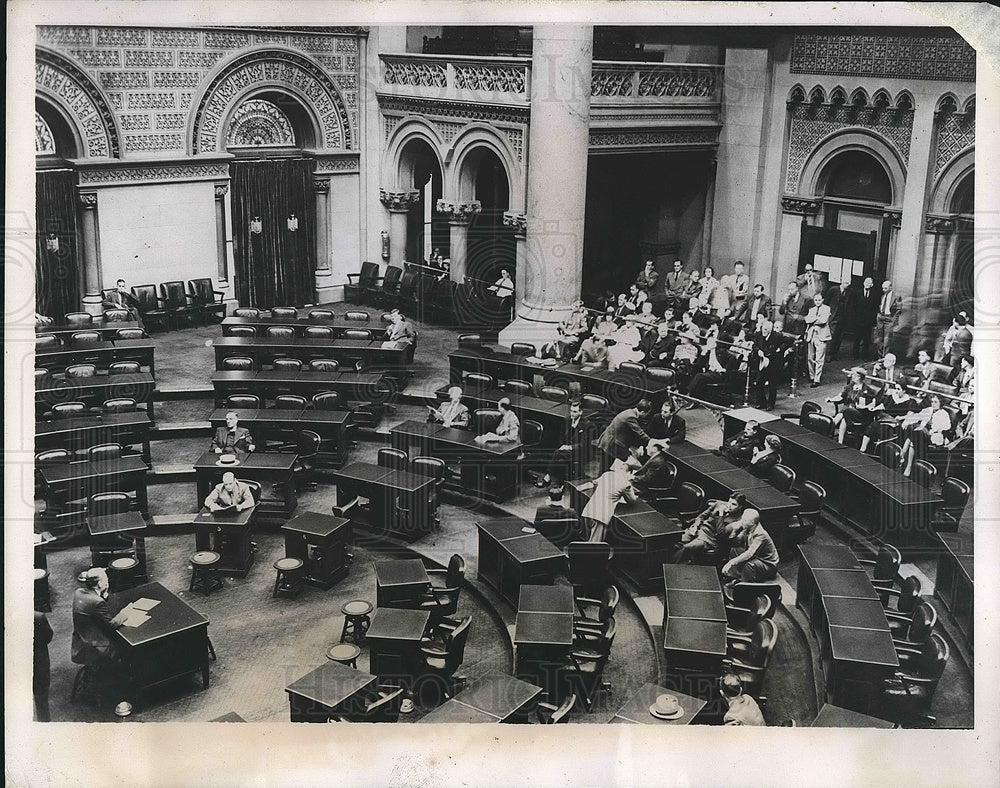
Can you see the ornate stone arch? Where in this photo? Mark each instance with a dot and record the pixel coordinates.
(408, 129)
(80, 101)
(459, 181)
(274, 69)
(852, 139)
(943, 190)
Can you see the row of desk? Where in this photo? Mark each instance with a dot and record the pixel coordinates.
(102, 354)
(331, 425)
(65, 331)
(300, 324)
(878, 500)
(263, 350)
(401, 504)
(365, 387)
(622, 388)
(511, 557)
(53, 389)
(82, 432)
(694, 628)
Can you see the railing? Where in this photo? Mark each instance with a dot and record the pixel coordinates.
(458, 74)
(644, 82)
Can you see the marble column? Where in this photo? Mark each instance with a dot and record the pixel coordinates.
(92, 298)
(222, 262)
(706, 234)
(399, 204)
(324, 274)
(558, 144)
(460, 216)
(902, 269)
(518, 223)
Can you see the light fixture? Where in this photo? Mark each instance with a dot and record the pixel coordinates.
(52, 243)
(256, 226)
(293, 223)
(385, 245)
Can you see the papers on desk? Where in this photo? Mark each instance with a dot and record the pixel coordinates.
(145, 604)
(390, 344)
(134, 614)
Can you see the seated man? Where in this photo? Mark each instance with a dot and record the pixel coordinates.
(714, 366)
(232, 438)
(92, 621)
(575, 450)
(612, 486)
(743, 709)
(764, 459)
(451, 413)
(121, 298)
(658, 346)
(553, 509)
(740, 448)
(400, 329)
(754, 558)
(650, 473)
(229, 492)
(509, 428)
(626, 346)
(667, 425)
(709, 531)
(594, 349)
(572, 329)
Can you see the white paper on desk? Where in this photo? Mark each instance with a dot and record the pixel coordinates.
(390, 344)
(144, 604)
(134, 618)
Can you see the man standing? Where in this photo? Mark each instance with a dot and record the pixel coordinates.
(676, 286)
(834, 298)
(738, 284)
(574, 450)
(612, 486)
(793, 310)
(759, 304)
(889, 307)
(232, 438)
(817, 335)
(624, 433)
(957, 341)
(809, 281)
(861, 316)
(765, 364)
(647, 279)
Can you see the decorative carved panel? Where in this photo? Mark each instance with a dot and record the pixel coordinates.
(610, 82)
(259, 123)
(135, 122)
(956, 132)
(806, 206)
(151, 100)
(121, 37)
(61, 79)
(149, 58)
(399, 201)
(347, 162)
(198, 59)
(494, 79)
(175, 38)
(165, 173)
(900, 56)
(98, 58)
(65, 36)
(219, 40)
(176, 79)
(465, 110)
(124, 80)
(157, 142)
(658, 138)
(170, 120)
(460, 213)
(414, 73)
(811, 124)
(44, 141)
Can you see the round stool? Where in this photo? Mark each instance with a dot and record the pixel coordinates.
(122, 574)
(356, 620)
(43, 600)
(203, 572)
(344, 653)
(290, 576)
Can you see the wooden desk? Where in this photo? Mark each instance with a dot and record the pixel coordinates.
(268, 468)
(171, 644)
(487, 470)
(510, 558)
(400, 503)
(300, 324)
(831, 716)
(368, 387)
(694, 628)
(954, 583)
(636, 710)
(327, 691)
(82, 432)
(400, 583)
(103, 354)
(491, 699)
(321, 541)
(856, 649)
(107, 330)
(108, 529)
(51, 390)
(543, 633)
(347, 351)
(331, 425)
(85, 478)
(228, 535)
(394, 637)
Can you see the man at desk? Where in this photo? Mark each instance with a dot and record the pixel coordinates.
(504, 286)
(452, 413)
(232, 438)
(612, 486)
(92, 621)
(120, 298)
(230, 492)
(624, 433)
(754, 558)
(740, 448)
(667, 425)
(400, 329)
(509, 428)
(574, 451)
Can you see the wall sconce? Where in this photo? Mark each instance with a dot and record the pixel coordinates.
(385, 244)
(293, 223)
(52, 243)
(256, 226)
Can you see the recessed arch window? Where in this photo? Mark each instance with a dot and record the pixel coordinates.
(259, 123)
(45, 143)
(855, 175)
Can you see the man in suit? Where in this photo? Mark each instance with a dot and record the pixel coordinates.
(793, 310)
(740, 448)
(232, 438)
(230, 492)
(121, 298)
(658, 346)
(667, 426)
(93, 622)
(759, 304)
(886, 370)
(453, 413)
(817, 336)
(509, 428)
(755, 558)
(612, 486)
(573, 454)
(861, 316)
(738, 284)
(890, 306)
(651, 472)
(647, 279)
(676, 285)
(957, 341)
(624, 433)
(553, 509)
(765, 364)
(809, 281)
(713, 367)
(834, 298)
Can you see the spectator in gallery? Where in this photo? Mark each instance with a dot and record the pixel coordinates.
(862, 306)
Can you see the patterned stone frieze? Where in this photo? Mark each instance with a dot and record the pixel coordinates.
(884, 55)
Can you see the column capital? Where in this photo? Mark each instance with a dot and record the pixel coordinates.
(88, 200)
(460, 213)
(321, 185)
(896, 217)
(939, 225)
(221, 190)
(399, 201)
(807, 206)
(516, 221)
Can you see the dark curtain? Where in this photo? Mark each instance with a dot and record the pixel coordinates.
(275, 267)
(57, 281)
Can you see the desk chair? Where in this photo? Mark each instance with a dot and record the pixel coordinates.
(633, 366)
(442, 662)
(81, 371)
(131, 333)
(358, 333)
(104, 451)
(820, 423)
(743, 620)
(290, 401)
(307, 449)
(106, 548)
(595, 613)
(956, 494)
(243, 401)
(743, 594)
(151, 307)
(124, 368)
(686, 505)
(175, 301)
(803, 523)
(432, 466)
(909, 693)
(206, 299)
(889, 455)
(68, 410)
(554, 393)
(563, 531)
(485, 420)
(589, 568)
(47, 342)
(328, 400)
(747, 657)
(285, 312)
(906, 595)
(470, 341)
(551, 714)
(324, 365)
(884, 567)
(442, 600)
(357, 316)
(83, 338)
(913, 631)
(287, 364)
(585, 669)
(395, 459)
(78, 318)
(782, 478)
(318, 332)
(517, 387)
(479, 379)
(523, 349)
(238, 363)
(246, 311)
(359, 284)
(321, 314)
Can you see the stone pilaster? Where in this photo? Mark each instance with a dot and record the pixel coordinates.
(91, 255)
(460, 216)
(398, 203)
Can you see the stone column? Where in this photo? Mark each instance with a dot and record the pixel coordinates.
(706, 235)
(518, 222)
(902, 269)
(222, 263)
(460, 215)
(794, 211)
(399, 204)
(91, 255)
(324, 274)
(939, 253)
(558, 144)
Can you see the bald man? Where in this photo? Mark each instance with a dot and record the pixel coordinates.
(754, 558)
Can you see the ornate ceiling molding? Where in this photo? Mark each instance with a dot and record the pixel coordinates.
(154, 173)
(884, 55)
(642, 139)
(466, 110)
(344, 162)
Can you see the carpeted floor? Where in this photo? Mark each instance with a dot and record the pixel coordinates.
(264, 644)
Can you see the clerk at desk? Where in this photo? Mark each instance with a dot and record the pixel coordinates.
(231, 492)
(232, 438)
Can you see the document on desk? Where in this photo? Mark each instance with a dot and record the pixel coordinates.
(145, 604)
(133, 617)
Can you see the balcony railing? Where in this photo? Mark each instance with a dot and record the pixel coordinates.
(457, 77)
(654, 82)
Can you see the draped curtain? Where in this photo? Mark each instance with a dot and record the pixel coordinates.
(57, 281)
(275, 267)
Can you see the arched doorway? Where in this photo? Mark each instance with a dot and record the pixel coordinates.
(962, 295)
(490, 246)
(274, 215)
(420, 169)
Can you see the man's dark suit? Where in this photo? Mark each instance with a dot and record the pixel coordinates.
(573, 461)
(126, 301)
(623, 433)
(92, 626)
(650, 474)
(793, 311)
(239, 440)
(653, 345)
(673, 432)
(861, 311)
(705, 377)
(740, 447)
(753, 306)
(765, 375)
